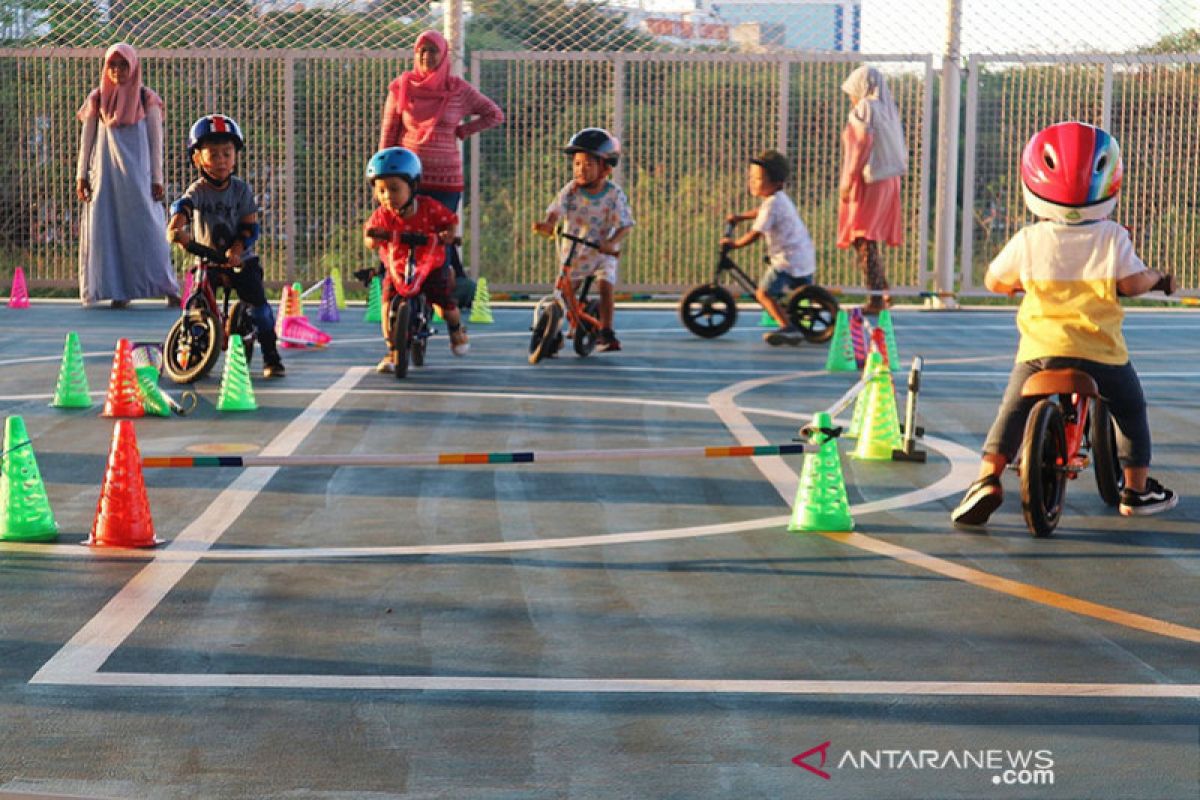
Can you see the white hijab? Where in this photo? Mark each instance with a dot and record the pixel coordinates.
(875, 112)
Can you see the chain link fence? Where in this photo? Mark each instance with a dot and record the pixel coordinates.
(692, 86)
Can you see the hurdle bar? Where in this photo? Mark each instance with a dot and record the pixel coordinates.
(457, 459)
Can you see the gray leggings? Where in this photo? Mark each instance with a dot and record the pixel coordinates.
(1119, 387)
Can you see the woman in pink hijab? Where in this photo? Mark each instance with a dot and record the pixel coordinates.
(427, 110)
(874, 157)
(123, 254)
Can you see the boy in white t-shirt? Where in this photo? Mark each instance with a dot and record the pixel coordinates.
(791, 257)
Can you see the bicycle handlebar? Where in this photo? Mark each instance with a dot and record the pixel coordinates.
(204, 252)
(406, 237)
(570, 237)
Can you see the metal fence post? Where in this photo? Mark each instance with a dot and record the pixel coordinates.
(289, 162)
(472, 265)
(947, 185)
(967, 260)
(785, 79)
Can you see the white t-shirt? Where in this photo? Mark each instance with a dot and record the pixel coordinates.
(1070, 275)
(789, 247)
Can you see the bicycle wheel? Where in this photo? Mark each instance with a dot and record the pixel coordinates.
(398, 334)
(708, 311)
(546, 322)
(585, 334)
(1110, 478)
(814, 311)
(1043, 468)
(191, 346)
(241, 323)
(419, 335)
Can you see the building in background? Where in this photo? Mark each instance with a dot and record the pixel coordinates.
(753, 25)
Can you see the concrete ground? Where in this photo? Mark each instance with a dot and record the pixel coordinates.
(598, 629)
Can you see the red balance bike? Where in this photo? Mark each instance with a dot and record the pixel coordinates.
(710, 310)
(203, 329)
(406, 319)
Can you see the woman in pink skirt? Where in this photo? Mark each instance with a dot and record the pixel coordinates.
(874, 157)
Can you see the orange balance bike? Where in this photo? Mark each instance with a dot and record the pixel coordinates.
(563, 303)
(1068, 429)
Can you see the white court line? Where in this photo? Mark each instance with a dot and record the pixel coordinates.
(88, 649)
(420, 683)
(80, 661)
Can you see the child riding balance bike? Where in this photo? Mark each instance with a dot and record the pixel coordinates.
(217, 220)
(1073, 265)
(786, 291)
(409, 233)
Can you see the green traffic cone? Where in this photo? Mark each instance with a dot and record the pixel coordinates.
(765, 320)
(821, 502)
(339, 293)
(881, 427)
(841, 349)
(889, 339)
(152, 396)
(237, 393)
(481, 306)
(374, 301)
(874, 361)
(25, 514)
(72, 389)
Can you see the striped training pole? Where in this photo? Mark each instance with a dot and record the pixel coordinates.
(451, 459)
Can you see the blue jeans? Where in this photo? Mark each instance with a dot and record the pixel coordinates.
(776, 283)
(1119, 388)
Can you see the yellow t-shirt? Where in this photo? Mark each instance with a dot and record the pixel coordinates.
(1070, 275)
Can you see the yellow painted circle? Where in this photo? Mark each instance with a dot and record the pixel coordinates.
(221, 448)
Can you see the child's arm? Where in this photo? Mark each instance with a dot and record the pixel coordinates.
(177, 225)
(612, 245)
(233, 256)
(746, 239)
(999, 286)
(546, 226)
(1146, 281)
(735, 218)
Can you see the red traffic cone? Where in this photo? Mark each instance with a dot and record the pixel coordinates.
(124, 398)
(123, 512)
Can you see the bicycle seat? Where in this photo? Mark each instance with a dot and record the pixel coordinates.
(1060, 381)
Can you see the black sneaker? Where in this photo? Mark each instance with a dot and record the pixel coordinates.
(274, 370)
(606, 342)
(789, 335)
(982, 498)
(1153, 499)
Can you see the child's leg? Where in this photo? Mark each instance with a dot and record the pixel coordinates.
(248, 285)
(439, 289)
(1122, 392)
(607, 304)
(771, 307)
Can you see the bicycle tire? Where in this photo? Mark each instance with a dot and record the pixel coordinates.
(420, 334)
(814, 311)
(547, 320)
(585, 334)
(1102, 432)
(1043, 468)
(192, 346)
(708, 311)
(398, 335)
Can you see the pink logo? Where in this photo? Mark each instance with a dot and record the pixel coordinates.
(822, 749)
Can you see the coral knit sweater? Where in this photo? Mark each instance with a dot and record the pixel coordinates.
(441, 161)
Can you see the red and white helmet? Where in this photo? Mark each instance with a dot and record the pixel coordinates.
(1071, 172)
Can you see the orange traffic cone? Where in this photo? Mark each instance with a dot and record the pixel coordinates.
(124, 399)
(123, 512)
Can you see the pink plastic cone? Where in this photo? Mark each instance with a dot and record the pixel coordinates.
(19, 296)
(299, 332)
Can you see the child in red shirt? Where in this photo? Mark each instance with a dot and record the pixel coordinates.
(394, 174)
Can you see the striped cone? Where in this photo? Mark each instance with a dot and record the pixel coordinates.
(237, 393)
(339, 292)
(481, 306)
(374, 301)
(18, 296)
(72, 389)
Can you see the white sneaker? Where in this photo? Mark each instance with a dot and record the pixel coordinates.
(459, 345)
(385, 365)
